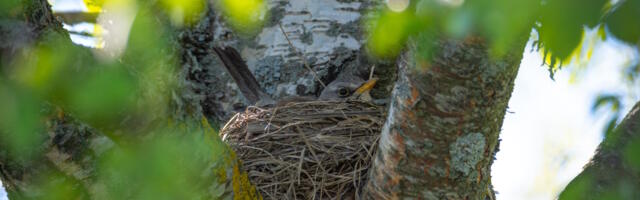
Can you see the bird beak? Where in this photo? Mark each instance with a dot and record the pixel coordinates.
(366, 86)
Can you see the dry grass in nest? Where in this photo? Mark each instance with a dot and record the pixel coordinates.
(307, 150)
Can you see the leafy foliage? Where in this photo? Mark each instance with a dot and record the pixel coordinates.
(122, 99)
(244, 16)
(175, 165)
(621, 21)
(559, 23)
(10, 8)
(614, 103)
(561, 26)
(133, 93)
(385, 42)
(94, 5)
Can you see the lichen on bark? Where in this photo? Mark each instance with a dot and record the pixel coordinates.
(445, 115)
(465, 154)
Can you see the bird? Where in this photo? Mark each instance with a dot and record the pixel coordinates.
(291, 126)
(345, 87)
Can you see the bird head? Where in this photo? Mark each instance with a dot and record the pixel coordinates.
(351, 87)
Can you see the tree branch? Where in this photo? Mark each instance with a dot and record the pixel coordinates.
(613, 172)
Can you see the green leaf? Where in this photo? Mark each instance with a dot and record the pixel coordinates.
(20, 122)
(623, 22)
(10, 8)
(148, 41)
(176, 164)
(244, 16)
(102, 96)
(607, 99)
(184, 11)
(504, 21)
(562, 22)
(390, 33)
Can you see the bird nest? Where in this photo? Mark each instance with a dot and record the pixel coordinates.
(307, 150)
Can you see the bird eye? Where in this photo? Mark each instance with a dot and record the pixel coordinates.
(343, 92)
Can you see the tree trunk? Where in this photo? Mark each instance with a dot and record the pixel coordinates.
(328, 33)
(614, 171)
(441, 134)
(438, 143)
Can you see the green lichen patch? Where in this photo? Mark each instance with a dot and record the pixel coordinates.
(465, 153)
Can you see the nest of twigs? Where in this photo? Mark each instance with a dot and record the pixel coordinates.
(307, 150)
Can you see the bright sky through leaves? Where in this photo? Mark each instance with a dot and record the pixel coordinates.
(551, 133)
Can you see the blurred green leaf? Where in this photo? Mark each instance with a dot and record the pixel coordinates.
(459, 23)
(504, 21)
(151, 57)
(183, 11)
(602, 33)
(100, 97)
(57, 186)
(21, 128)
(390, 32)
(68, 76)
(10, 8)
(148, 41)
(607, 99)
(623, 21)
(614, 102)
(423, 50)
(562, 24)
(430, 12)
(94, 6)
(244, 16)
(559, 39)
(632, 72)
(174, 165)
(47, 67)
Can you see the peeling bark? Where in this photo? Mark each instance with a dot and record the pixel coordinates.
(328, 33)
(441, 134)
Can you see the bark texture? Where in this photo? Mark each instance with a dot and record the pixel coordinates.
(614, 171)
(329, 33)
(441, 134)
(438, 143)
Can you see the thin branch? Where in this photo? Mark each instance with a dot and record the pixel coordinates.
(315, 75)
(373, 68)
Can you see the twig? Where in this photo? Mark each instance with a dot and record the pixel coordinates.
(315, 75)
(373, 68)
(300, 165)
